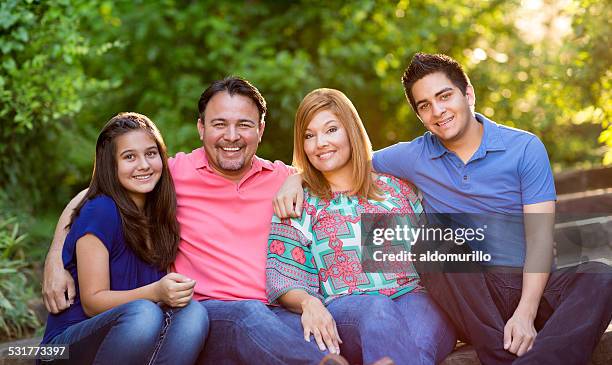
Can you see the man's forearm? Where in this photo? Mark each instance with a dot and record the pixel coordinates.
(58, 285)
(55, 250)
(533, 287)
(60, 231)
(539, 225)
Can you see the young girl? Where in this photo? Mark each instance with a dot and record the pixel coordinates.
(314, 265)
(123, 237)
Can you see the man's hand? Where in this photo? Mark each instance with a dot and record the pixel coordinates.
(519, 333)
(58, 286)
(290, 194)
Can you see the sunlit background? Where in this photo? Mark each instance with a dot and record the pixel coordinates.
(67, 66)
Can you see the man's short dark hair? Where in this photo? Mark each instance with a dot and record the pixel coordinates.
(233, 85)
(423, 64)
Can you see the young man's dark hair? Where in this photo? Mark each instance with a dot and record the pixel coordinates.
(423, 64)
(233, 85)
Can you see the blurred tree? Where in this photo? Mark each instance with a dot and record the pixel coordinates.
(42, 87)
(68, 66)
(517, 55)
(543, 66)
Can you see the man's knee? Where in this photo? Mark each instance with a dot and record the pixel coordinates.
(592, 277)
(251, 312)
(594, 267)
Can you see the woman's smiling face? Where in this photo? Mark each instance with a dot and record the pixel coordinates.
(326, 143)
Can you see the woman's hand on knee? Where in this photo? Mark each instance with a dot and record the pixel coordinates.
(174, 290)
(317, 321)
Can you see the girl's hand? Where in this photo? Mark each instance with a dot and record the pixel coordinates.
(317, 320)
(174, 290)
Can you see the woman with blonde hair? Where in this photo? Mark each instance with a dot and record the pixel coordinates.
(315, 264)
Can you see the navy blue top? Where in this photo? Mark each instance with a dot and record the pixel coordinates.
(509, 169)
(100, 217)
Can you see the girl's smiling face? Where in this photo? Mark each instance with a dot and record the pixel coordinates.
(139, 164)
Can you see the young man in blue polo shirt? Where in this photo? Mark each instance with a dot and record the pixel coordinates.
(512, 310)
(469, 164)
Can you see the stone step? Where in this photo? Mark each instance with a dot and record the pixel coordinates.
(588, 202)
(463, 355)
(588, 238)
(583, 180)
(4, 350)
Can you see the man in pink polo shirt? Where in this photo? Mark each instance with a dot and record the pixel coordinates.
(224, 197)
(224, 194)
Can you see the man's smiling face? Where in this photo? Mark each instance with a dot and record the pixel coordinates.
(442, 107)
(230, 132)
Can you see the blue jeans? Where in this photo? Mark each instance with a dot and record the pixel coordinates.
(410, 329)
(138, 332)
(249, 332)
(573, 313)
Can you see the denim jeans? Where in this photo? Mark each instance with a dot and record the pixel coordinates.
(249, 332)
(574, 311)
(139, 332)
(410, 329)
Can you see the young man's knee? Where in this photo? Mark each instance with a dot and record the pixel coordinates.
(594, 267)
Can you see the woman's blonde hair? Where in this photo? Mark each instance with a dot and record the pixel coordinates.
(337, 103)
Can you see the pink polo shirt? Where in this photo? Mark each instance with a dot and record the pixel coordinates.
(224, 225)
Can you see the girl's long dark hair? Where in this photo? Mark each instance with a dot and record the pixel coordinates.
(157, 222)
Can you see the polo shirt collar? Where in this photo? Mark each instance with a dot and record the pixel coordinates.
(436, 149)
(201, 161)
(492, 136)
(491, 139)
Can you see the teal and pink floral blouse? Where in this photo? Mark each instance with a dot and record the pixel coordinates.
(320, 252)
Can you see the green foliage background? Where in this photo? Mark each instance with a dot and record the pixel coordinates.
(67, 66)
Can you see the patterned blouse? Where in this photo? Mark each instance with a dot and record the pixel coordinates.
(321, 251)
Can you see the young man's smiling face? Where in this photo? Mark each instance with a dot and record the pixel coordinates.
(231, 131)
(442, 107)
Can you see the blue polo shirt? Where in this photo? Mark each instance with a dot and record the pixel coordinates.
(509, 169)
